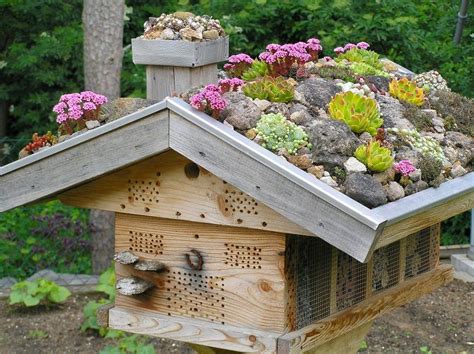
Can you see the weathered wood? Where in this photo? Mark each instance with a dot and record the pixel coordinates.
(424, 219)
(102, 315)
(241, 281)
(179, 53)
(159, 82)
(366, 311)
(192, 331)
(183, 191)
(84, 162)
(264, 183)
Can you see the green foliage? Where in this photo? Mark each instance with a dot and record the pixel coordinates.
(49, 235)
(430, 167)
(360, 113)
(31, 293)
(376, 157)
(364, 69)
(130, 345)
(456, 230)
(407, 91)
(272, 89)
(278, 133)
(362, 62)
(257, 69)
(427, 145)
(335, 72)
(37, 334)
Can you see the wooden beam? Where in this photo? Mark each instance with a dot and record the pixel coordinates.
(366, 311)
(193, 331)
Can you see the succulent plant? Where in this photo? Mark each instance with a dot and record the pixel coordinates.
(272, 89)
(376, 157)
(406, 90)
(276, 133)
(358, 112)
(364, 69)
(431, 81)
(357, 55)
(426, 145)
(257, 69)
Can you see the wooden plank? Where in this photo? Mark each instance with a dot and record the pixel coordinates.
(86, 161)
(206, 74)
(265, 184)
(366, 311)
(241, 282)
(192, 331)
(102, 315)
(424, 219)
(159, 82)
(403, 260)
(179, 53)
(197, 196)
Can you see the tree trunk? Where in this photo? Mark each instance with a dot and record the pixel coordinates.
(103, 36)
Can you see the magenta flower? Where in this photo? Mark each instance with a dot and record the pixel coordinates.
(363, 45)
(78, 106)
(349, 46)
(227, 85)
(327, 58)
(209, 100)
(339, 50)
(404, 167)
(239, 58)
(238, 64)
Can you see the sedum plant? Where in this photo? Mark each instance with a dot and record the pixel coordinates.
(279, 133)
(406, 90)
(272, 89)
(426, 145)
(31, 293)
(376, 157)
(257, 69)
(358, 55)
(358, 112)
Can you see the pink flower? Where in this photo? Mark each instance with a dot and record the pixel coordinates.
(62, 117)
(404, 167)
(363, 45)
(59, 108)
(239, 58)
(209, 100)
(273, 47)
(327, 58)
(314, 44)
(89, 106)
(227, 85)
(349, 46)
(339, 50)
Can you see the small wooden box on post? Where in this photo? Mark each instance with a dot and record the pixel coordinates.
(176, 66)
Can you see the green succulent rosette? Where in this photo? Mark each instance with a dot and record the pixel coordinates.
(376, 157)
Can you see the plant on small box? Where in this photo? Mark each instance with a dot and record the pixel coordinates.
(272, 89)
(360, 113)
(238, 64)
(32, 293)
(407, 91)
(276, 133)
(257, 69)
(209, 100)
(37, 142)
(74, 109)
(376, 157)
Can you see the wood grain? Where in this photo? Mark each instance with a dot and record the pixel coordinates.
(241, 282)
(84, 162)
(192, 331)
(174, 195)
(417, 222)
(366, 311)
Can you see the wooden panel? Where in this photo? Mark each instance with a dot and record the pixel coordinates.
(159, 82)
(192, 331)
(198, 196)
(179, 53)
(429, 217)
(264, 183)
(242, 281)
(366, 311)
(84, 162)
(186, 78)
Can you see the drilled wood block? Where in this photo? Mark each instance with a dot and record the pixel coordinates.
(241, 282)
(170, 186)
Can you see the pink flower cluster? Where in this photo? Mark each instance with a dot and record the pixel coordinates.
(227, 85)
(404, 167)
(75, 106)
(281, 58)
(349, 46)
(209, 100)
(237, 64)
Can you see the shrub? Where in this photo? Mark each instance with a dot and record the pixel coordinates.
(32, 293)
(271, 89)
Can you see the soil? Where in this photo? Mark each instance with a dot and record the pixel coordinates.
(442, 321)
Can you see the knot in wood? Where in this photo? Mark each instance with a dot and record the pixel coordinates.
(200, 260)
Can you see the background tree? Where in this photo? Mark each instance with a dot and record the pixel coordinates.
(103, 36)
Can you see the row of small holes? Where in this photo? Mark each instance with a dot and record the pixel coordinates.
(146, 242)
(246, 256)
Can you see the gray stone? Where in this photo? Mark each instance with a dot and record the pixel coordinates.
(415, 176)
(380, 82)
(241, 112)
(7, 282)
(125, 257)
(439, 137)
(394, 191)
(329, 181)
(365, 189)
(92, 124)
(416, 187)
(278, 107)
(189, 34)
(326, 174)
(463, 146)
(302, 161)
(262, 104)
(385, 176)
(318, 92)
(392, 111)
(210, 34)
(365, 137)
(406, 153)
(167, 34)
(302, 117)
(132, 286)
(352, 165)
(458, 171)
(317, 171)
(121, 107)
(63, 138)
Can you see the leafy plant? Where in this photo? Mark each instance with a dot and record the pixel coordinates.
(426, 145)
(37, 142)
(278, 133)
(376, 157)
(31, 293)
(360, 113)
(407, 91)
(357, 55)
(130, 345)
(335, 72)
(257, 69)
(272, 89)
(364, 69)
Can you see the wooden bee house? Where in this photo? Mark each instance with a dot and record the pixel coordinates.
(259, 256)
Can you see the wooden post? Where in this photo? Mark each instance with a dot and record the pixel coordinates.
(176, 66)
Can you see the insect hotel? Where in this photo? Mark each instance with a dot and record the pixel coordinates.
(221, 242)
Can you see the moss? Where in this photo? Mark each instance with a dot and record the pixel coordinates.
(420, 120)
(450, 123)
(340, 174)
(430, 168)
(335, 72)
(453, 106)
